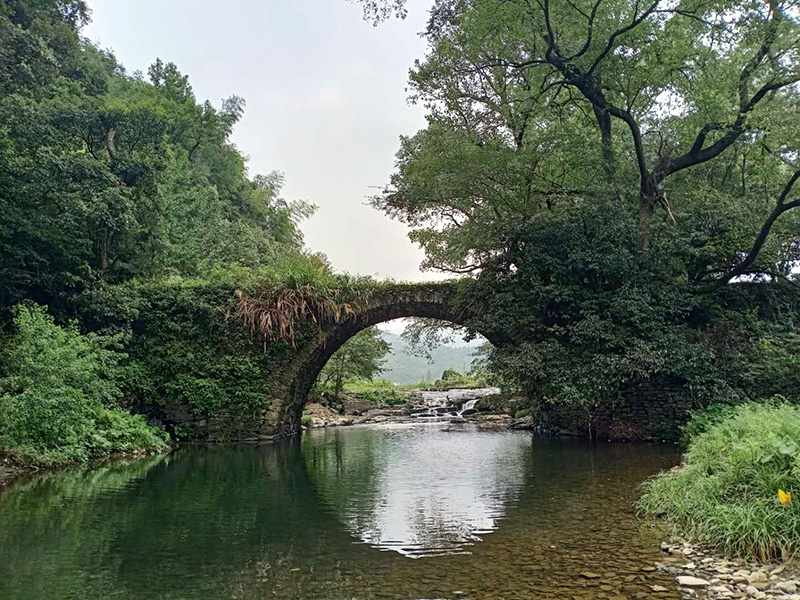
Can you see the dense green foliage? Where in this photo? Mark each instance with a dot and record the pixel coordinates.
(452, 379)
(726, 493)
(59, 395)
(380, 391)
(187, 356)
(602, 169)
(106, 176)
(598, 171)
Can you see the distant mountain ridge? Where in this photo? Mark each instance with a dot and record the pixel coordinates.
(401, 367)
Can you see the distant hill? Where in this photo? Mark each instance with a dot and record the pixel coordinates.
(402, 367)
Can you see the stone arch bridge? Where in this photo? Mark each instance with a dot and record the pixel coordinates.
(649, 409)
(430, 300)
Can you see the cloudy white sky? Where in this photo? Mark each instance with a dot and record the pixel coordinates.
(326, 101)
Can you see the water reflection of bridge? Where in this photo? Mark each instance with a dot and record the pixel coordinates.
(417, 490)
(282, 520)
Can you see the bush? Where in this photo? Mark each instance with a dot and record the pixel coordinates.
(726, 493)
(379, 391)
(452, 379)
(58, 401)
(701, 421)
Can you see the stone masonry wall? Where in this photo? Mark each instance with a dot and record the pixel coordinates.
(223, 425)
(653, 410)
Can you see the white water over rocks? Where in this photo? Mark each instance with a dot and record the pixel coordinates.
(448, 405)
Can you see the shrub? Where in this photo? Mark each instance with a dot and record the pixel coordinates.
(726, 493)
(452, 379)
(58, 402)
(708, 417)
(379, 391)
(305, 419)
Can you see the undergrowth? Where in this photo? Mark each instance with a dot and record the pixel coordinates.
(59, 396)
(726, 493)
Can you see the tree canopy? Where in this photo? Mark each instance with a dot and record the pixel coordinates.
(685, 113)
(361, 357)
(119, 193)
(107, 176)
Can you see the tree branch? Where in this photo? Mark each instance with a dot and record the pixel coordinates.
(743, 267)
(697, 154)
(613, 37)
(110, 146)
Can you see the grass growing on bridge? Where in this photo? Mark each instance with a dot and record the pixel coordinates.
(273, 311)
(726, 494)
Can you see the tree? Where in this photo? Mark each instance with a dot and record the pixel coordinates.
(376, 11)
(361, 357)
(424, 335)
(105, 177)
(535, 105)
(39, 41)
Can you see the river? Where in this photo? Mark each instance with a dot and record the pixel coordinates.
(400, 511)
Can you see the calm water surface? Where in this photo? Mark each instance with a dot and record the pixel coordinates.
(395, 511)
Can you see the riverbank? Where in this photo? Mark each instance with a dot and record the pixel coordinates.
(732, 496)
(701, 573)
(319, 416)
(13, 470)
(734, 487)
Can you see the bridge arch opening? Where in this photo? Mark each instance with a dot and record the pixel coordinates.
(333, 336)
(401, 352)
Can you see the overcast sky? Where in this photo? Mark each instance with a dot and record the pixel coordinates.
(326, 102)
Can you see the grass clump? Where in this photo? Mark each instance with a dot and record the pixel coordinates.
(452, 379)
(273, 310)
(726, 493)
(380, 391)
(59, 395)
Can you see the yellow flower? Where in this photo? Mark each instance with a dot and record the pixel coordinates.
(724, 448)
(785, 498)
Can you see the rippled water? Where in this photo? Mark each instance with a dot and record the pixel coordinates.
(395, 511)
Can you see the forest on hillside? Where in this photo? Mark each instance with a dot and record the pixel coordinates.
(405, 365)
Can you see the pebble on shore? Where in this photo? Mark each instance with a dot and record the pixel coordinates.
(701, 574)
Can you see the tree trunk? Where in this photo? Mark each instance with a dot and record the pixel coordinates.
(649, 196)
(101, 253)
(607, 149)
(337, 387)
